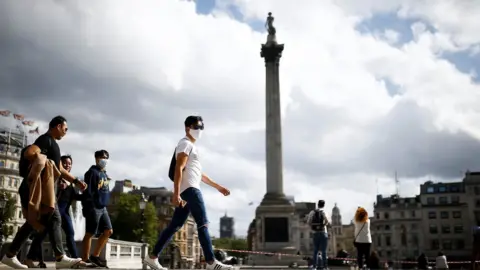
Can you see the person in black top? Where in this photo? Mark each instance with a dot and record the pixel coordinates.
(48, 146)
(94, 202)
(66, 194)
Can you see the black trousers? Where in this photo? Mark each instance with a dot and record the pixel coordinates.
(363, 250)
(52, 223)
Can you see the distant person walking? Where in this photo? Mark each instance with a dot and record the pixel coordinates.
(318, 221)
(441, 261)
(422, 262)
(186, 173)
(363, 237)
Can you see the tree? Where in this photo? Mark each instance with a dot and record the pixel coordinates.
(232, 244)
(8, 214)
(126, 220)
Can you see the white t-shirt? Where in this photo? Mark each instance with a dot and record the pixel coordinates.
(192, 175)
(363, 232)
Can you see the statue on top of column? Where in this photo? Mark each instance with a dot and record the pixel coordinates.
(271, 38)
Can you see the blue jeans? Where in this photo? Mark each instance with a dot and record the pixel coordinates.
(196, 206)
(320, 242)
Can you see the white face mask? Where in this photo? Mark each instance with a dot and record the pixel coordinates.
(196, 133)
(103, 163)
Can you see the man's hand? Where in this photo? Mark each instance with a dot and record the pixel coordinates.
(223, 190)
(177, 201)
(81, 185)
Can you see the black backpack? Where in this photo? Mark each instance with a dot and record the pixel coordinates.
(173, 163)
(23, 164)
(318, 221)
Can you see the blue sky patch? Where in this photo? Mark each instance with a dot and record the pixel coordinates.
(465, 62)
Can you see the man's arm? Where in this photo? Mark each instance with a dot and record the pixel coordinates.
(182, 158)
(207, 180)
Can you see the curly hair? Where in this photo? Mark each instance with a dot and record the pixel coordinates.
(361, 215)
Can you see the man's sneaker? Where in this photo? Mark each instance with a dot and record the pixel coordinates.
(153, 263)
(66, 262)
(13, 262)
(216, 265)
(97, 261)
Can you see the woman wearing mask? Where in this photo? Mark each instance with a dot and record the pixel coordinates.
(363, 237)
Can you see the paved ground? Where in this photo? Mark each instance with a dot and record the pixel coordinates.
(51, 265)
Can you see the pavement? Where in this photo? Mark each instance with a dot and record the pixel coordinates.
(51, 265)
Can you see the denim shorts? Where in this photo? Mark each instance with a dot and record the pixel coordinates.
(96, 220)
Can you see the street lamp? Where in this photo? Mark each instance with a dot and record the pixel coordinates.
(3, 204)
(142, 204)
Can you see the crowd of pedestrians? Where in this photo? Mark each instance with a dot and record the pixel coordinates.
(42, 165)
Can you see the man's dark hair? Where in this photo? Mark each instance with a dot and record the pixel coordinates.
(65, 157)
(321, 203)
(57, 120)
(102, 153)
(192, 120)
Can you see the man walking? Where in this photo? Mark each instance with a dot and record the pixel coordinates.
(94, 208)
(187, 197)
(318, 221)
(66, 194)
(45, 144)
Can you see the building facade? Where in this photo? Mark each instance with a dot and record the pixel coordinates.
(227, 227)
(397, 227)
(11, 144)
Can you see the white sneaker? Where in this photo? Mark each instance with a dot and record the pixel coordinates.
(216, 265)
(153, 263)
(13, 262)
(67, 262)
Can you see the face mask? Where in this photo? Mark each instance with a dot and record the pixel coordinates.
(102, 163)
(196, 133)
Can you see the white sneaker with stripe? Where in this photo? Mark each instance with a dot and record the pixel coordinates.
(216, 265)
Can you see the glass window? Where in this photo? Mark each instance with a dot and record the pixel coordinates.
(402, 214)
(443, 200)
(413, 213)
(413, 226)
(379, 241)
(477, 190)
(2, 163)
(433, 229)
(430, 200)
(447, 245)
(457, 214)
(387, 227)
(387, 241)
(432, 215)
(386, 216)
(459, 244)
(455, 199)
(442, 189)
(454, 188)
(444, 215)
(446, 229)
(430, 190)
(435, 244)
(458, 228)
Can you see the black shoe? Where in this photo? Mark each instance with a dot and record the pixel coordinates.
(98, 261)
(42, 265)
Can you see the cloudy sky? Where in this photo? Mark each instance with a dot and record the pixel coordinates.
(368, 87)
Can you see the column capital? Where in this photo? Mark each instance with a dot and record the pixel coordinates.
(271, 52)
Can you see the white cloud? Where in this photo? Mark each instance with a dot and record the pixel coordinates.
(332, 94)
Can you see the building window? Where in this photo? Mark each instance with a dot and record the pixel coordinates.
(446, 229)
(435, 244)
(458, 228)
(442, 189)
(454, 188)
(413, 213)
(444, 215)
(386, 215)
(443, 200)
(432, 215)
(430, 190)
(457, 214)
(433, 229)
(2, 163)
(477, 189)
(387, 241)
(402, 214)
(455, 199)
(301, 235)
(379, 241)
(387, 227)
(447, 245)
(459, 244)
(379, 228)
(413, 226)
(430, 200)
(477, 203)
(378, 215)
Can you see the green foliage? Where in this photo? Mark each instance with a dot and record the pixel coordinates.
(235, 244)
(8, 213)
(126, 220)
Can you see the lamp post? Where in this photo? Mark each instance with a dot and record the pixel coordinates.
(142, 204)
(3, 204)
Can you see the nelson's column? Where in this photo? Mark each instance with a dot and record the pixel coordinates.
(275, 214)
